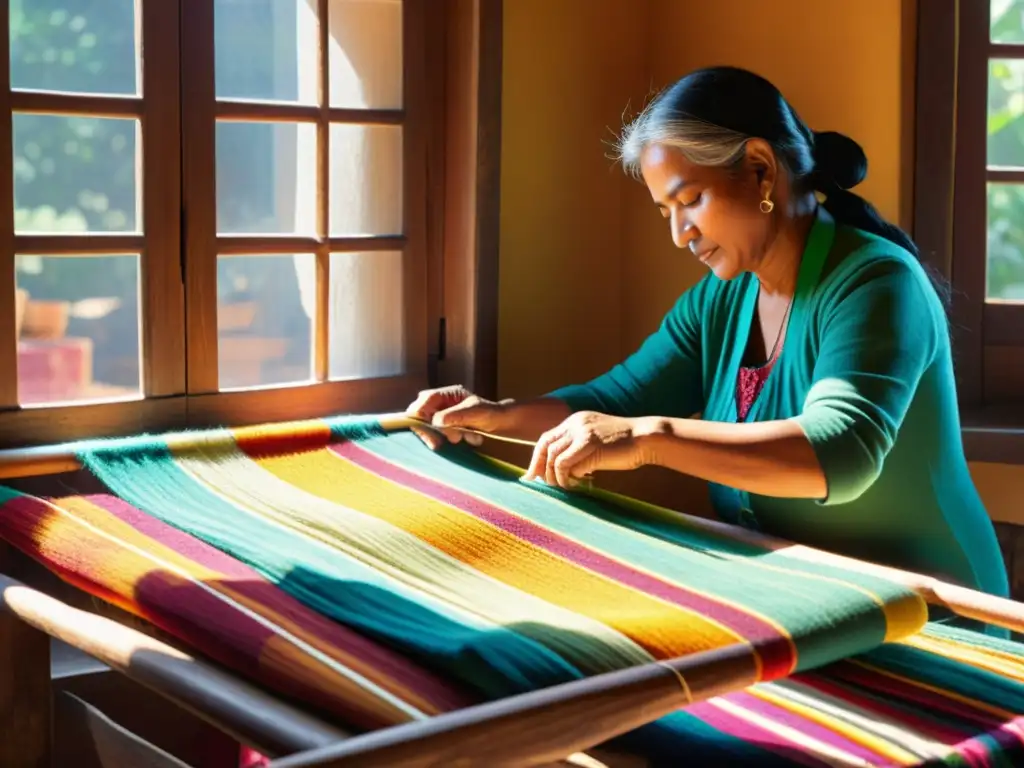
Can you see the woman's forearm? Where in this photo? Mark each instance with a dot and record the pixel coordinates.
(772, 458)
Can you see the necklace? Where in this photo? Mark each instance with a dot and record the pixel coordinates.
(782, 329)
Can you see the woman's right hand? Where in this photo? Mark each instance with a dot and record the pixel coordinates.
(456, 406)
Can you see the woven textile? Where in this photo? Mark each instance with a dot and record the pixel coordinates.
(944, 697)
(454, 560)
(449, 581)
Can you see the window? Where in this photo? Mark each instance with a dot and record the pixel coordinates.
(248, 223)
(987, 240)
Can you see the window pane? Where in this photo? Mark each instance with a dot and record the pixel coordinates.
(75, 174)
(1006, 113)
(1008, 21)
(267, 50)
(78, 46)
(366, 180)
(265, 310)
(367, 322)
(366, 54)
(78, 328)
(1005, 242)
(266, 178)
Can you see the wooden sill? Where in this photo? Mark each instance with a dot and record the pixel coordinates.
(994, 434)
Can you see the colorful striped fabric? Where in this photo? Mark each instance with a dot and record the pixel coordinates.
(449, 581)
(506, 587)
(944, 697)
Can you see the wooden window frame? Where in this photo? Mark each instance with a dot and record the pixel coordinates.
(950, 220)
(452, 114)
(162, 308)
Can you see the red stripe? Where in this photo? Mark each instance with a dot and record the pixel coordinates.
(777, 653)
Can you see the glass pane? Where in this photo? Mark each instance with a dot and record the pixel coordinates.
(1007, 21)
(366, 180)
(75, 174)
(367, 322)
(77, 46)
(266, 178)
(265, 311)
(78, 328)
(267, 50)
(366, 54)
(1006, 113)
(1005, 242)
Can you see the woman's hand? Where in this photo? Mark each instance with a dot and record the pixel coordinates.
(456, 406)
(588, 442)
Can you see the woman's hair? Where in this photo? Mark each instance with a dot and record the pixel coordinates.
(709, 115)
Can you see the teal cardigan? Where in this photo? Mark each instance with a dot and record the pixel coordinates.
(867, 372)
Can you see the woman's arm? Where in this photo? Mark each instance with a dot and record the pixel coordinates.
(878, 334)
(770, 458)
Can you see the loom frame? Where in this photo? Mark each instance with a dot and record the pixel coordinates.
(598, 708)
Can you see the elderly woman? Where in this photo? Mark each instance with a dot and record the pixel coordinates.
(816, 349)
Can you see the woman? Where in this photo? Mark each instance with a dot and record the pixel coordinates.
(816, 349)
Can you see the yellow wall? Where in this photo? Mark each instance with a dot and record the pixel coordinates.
(587, 265)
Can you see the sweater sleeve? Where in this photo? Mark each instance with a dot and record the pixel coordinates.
(662, 378)
(877, 336)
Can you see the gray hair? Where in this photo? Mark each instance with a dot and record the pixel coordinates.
(701, 143)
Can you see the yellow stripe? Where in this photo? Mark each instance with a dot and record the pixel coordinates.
(834, 723)
(1004, 664)
(904, 616)
(400, 556)
(665, 630)
(670, 551)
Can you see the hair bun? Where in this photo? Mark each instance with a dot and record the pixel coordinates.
(839, 159)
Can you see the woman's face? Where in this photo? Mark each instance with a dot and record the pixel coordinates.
(712, 212)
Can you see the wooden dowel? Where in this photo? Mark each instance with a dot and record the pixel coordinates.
(544, 726)
(235, 707)
(962, 601)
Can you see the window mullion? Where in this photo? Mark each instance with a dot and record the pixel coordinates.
(199, 195)
(163, 297)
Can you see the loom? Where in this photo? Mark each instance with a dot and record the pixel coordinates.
(331, 593)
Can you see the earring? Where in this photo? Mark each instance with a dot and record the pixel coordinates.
(766, 206)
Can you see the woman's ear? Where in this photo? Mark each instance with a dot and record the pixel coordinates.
(760, 159)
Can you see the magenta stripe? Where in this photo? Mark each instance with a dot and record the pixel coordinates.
(750, 733)
(801, 724)
(777, 653)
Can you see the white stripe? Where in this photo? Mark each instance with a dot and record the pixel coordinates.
(829, 754)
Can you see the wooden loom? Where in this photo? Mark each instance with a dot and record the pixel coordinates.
(598, 708)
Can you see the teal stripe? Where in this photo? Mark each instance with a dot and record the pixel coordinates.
(495, 660)
(828, 621)
(6, 494)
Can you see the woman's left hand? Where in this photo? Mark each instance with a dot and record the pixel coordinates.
(588, 442)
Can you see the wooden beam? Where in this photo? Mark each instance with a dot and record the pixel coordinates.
(560, 721)
(237, 708)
